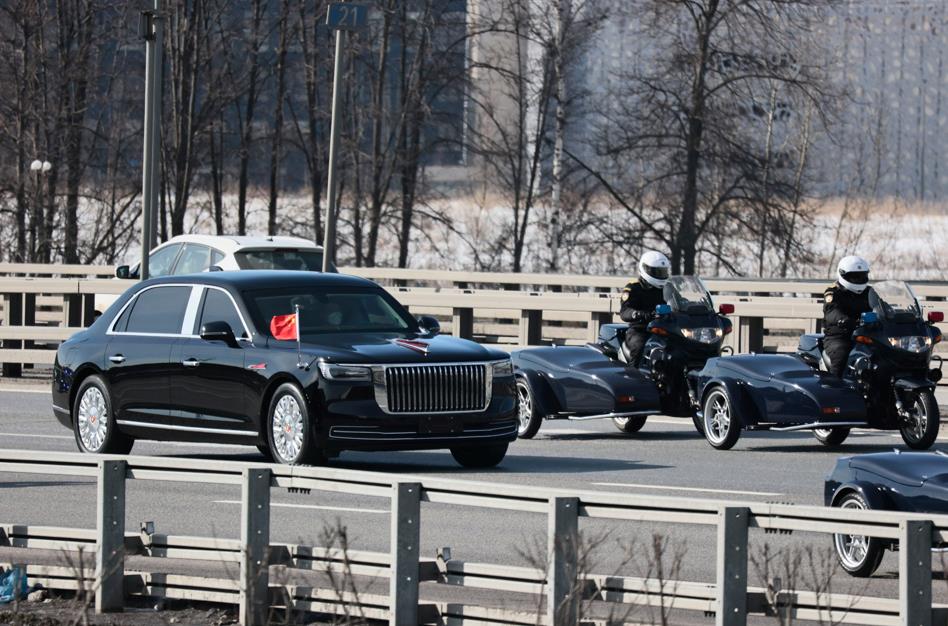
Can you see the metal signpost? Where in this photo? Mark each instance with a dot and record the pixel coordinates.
(150, 29)
(342, 17)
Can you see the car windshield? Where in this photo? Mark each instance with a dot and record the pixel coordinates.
(894, 300)
(687, 294)
(331, 310)
(280, 259)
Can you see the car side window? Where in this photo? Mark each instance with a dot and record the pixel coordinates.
(161, 261)
(219, 308)
(159, 310)
(216, 256)
(195, 258)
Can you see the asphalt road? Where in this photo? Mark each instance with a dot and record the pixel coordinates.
(666, 458)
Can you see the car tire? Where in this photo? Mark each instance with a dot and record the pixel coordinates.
(860, 556)
(923, 431)
(93, 422)
(528, 418)
(699, 423)
(290, 428)
(630, 425)
(480, 457)
(831, 437)
(722, 428)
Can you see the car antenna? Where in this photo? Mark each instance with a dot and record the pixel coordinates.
(299, 347)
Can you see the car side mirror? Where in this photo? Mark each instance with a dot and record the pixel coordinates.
(663, 309)
(429, 325)
(122, 271)
(219, 331)
(726, 309)
(869, 317)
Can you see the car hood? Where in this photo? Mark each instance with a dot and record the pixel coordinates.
(390, 348)
(906, 468)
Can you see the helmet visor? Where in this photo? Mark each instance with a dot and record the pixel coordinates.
(661, 273)
(856, 278)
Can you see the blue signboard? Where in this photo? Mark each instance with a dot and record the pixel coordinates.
(347, 16)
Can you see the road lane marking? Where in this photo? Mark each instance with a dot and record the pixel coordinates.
(21, 390)
(701, 490)
(316, 507)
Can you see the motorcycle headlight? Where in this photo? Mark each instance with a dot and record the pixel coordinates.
(345, 373)
(911, 343)
(502, 368)
(703, 335)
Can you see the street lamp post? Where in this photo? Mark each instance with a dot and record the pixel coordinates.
(342, 17)
(150, 29)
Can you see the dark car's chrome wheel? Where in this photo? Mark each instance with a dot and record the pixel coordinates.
(528, 418)
(290, 434)
(831, 436)
(920, 428)
(721, 427)
(93, 422)
(859, 555)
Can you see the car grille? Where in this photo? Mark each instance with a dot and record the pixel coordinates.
(437, 388)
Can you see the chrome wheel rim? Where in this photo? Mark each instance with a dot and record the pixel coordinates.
(92, 419)
(919, 421)
(525, 406)
(621, 421)
(822, 432)
(852, 549)
(287, 428)
(717, 417)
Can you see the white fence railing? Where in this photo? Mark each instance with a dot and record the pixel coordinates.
(566, 588)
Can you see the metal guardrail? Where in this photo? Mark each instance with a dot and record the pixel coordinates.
(38, 313)
(729, 597)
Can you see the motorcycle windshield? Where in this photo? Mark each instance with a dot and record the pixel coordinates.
(687, 294)
(894, 300)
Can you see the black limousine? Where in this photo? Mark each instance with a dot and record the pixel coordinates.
(302, 365)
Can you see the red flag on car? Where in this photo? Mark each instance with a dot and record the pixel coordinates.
(285, 327)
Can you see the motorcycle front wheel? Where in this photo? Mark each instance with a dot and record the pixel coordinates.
(920, 428)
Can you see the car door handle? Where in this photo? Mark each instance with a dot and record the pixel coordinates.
(190, 362)
(118, 359)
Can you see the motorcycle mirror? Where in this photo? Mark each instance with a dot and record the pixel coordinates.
(936, 316)
(726, 309)
(869, 317)
(663, 309)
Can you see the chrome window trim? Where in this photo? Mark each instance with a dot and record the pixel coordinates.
(111, 330)
(381, 391)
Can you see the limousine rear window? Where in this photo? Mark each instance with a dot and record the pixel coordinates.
(159, 310)
(351, 310)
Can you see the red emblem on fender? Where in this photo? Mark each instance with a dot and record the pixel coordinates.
(417, 346)
(257, 366)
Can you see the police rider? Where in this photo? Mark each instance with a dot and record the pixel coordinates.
(843, 304)
(640, 297)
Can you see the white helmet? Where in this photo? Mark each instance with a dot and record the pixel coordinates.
(654, 268)
(854, 273)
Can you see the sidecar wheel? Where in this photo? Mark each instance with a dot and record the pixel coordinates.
(529, 419)
(722, 428)
(921, 429)
(831, 437)
(629, 425)
(858, 555)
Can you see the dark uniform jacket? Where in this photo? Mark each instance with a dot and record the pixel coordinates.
(638, 303)
(841, 310)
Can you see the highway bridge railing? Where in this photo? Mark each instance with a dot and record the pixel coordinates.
(42, 305)
(565, 588)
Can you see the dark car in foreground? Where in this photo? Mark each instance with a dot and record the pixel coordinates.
(206, 358)
(892, 481)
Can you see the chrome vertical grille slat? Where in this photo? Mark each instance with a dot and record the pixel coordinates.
(450, 388)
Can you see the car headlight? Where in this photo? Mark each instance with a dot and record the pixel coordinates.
(911, 343)
(502, 368)
(345, 373)
(703, 335)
